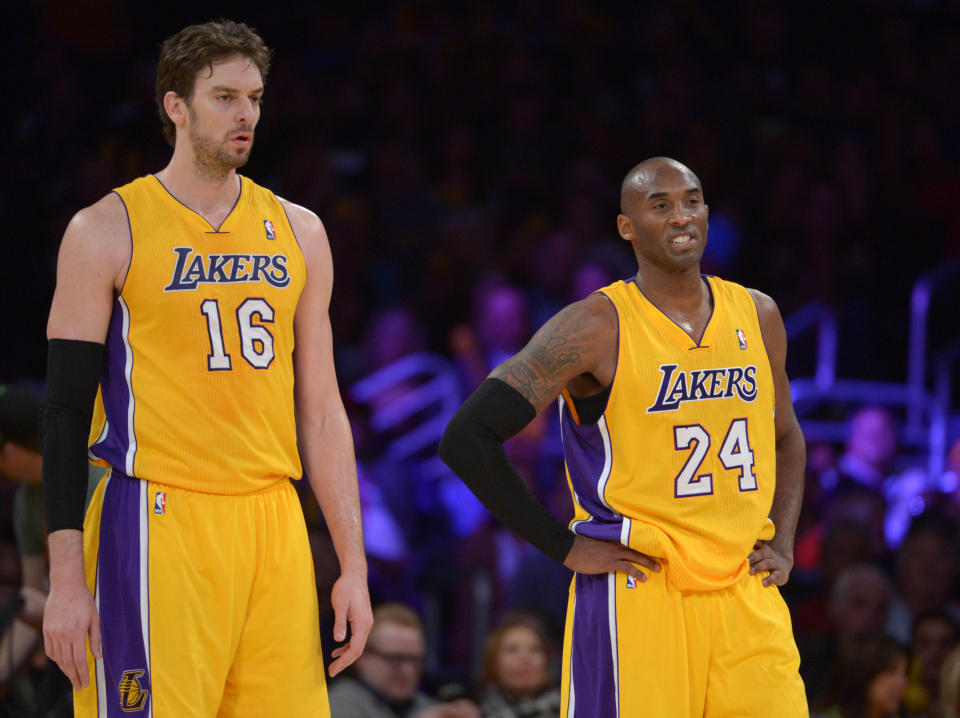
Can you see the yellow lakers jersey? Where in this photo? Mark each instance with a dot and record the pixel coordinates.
(197, 385)
(682, 463)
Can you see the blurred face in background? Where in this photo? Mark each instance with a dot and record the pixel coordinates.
(926, 569)
(860, 603)
(873, 437)
(886, 690)
(392, 661)
(521, 662)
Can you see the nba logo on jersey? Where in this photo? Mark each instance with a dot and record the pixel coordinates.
(160, 502)
(631, 582)
(271, 231)
(743, 338)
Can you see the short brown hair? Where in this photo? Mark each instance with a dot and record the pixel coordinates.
(397, 613)
(183, 55)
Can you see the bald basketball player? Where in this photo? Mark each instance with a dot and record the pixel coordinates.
(685, 463)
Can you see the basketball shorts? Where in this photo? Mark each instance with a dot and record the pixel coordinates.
(648, 649)
(208, 604)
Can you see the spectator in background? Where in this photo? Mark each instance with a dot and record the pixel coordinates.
(949, 698)
(857, 505)
(870, 679)
(588, 278)
(870, 451)
(20, 461)
(859, 604)
(867, 467)
(934, 636)
(385, 679)
(45, 688)
(501, 324)
(515, 673)
(850, 532)
(926, 571)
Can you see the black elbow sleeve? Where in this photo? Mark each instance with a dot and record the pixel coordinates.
(472, 446)
(73, 374)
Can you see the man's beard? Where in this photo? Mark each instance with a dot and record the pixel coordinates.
(212, 160)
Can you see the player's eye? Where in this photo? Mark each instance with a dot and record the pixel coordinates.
(223, 98)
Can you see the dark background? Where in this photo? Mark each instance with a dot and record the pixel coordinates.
(442, 141)
(466, 161)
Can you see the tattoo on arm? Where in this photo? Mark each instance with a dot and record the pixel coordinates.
(553, 356)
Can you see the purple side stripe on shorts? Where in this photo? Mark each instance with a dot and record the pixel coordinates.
(592, 672)
(119, 579)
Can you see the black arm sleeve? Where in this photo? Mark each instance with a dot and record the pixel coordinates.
(472, 446)
(73, 374)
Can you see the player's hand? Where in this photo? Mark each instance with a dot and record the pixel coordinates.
(351, 604)
(595, 556)
(767, 558)
(70, 615)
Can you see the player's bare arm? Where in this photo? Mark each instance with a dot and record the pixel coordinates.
(326, 442)
(92, 263)
(776, 555)
(576, 349)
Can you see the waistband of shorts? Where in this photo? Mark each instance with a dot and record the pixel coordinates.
(269, 486)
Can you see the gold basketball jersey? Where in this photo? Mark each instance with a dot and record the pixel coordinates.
(682, 463)
(197, 385)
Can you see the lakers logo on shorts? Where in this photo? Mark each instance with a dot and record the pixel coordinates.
(132, 695)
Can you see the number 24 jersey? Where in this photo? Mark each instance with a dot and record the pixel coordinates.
(682, 464)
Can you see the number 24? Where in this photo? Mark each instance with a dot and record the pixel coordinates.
(735, 453)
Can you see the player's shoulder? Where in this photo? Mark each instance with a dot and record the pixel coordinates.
(771, 323)
(765, 304)
(598, 310)
(103, 215)
(767, 309)
(305, 223)
(102, 227)
(591, 322)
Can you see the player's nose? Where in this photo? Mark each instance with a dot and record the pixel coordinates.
(246, 111)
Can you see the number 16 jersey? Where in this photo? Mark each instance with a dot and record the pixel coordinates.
(682, 463)
(197, 385)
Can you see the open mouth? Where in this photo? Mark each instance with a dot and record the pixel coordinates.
(682, 241)
(243, 139)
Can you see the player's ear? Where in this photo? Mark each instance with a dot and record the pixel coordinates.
(176, 108)
(625, 227)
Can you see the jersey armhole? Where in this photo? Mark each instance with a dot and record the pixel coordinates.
(126, 212)
(589, 409)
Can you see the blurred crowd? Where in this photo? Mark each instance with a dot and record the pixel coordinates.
(466, 160)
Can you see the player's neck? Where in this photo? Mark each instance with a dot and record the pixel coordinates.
(213, 197)
(683, 290)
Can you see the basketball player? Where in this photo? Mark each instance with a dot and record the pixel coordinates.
(683, 456)
(181, 294)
